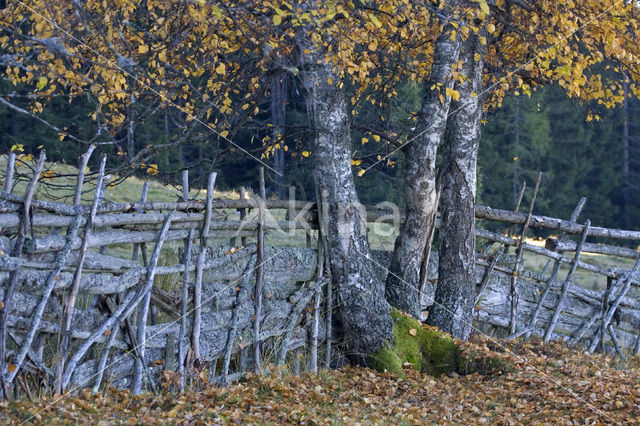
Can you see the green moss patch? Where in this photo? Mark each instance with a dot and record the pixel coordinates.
(429, 350)
(387, 359)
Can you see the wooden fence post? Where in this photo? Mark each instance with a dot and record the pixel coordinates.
(554, 271)
(567, 283)
(197, 293)
(67, 312)
(124, 309)
(518, 263)
(259, 274)
(183, 311)
(8, 177)
(606, 319)
(13, 276)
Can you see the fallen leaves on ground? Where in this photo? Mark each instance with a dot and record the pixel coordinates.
(549, 384)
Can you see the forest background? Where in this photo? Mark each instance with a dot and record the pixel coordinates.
(580, 148)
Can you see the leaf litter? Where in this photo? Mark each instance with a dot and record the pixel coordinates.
(549, 383)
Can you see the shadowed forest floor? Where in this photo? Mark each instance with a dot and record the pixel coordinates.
(547, 384)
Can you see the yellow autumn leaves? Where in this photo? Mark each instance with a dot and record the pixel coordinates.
(202, 72)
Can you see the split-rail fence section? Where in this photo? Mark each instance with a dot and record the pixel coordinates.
(75, 315)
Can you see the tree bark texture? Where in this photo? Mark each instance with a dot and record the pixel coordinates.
(419, 182)
(455, 293)
(362, 306)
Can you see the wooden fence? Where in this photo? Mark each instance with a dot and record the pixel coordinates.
(74, 316)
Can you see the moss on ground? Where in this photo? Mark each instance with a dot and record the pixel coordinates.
(429, 350)
(425, 348)
(387, 359)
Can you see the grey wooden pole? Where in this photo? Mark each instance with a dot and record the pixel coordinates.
(70, 300)
(13, 276)
(554, 273)
(567, 283)
(197, 298)
(185, 185)
(8, 176)
(517, 267)
(259, 274)
(84, 160)
(11, 167)
(183, 311)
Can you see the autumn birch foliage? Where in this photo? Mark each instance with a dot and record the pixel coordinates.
(187, 56)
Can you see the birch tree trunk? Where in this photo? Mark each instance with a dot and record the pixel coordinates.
(419, 182)
(455, 295)
(363, 309)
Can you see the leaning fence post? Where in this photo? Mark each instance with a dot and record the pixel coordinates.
(606, 319)
(554, 271)
(8, 177)
(81, 172)
(259, 274)
(517, 267)
(183, 310)
(67, 312)
(61, 260)
(567, 283)
(616, 343)
(142, 247)
(102, 363)
(197, 298)
(126, 307)
(17, 252)
(140, 364)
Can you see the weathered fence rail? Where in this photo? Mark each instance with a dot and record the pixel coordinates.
(77, 317)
